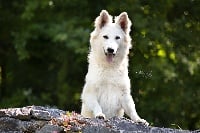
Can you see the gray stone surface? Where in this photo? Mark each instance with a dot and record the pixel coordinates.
(40, 119)
(50, 129)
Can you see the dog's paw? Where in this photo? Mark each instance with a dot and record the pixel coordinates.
(100, 116)
(142, 121)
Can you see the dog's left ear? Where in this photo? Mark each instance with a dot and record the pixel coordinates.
(124, 22)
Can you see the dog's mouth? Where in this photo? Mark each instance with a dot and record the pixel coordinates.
(109, 56)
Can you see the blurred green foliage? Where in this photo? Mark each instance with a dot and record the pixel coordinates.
(44, 46)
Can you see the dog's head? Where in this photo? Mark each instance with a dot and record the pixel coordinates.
(111, 36)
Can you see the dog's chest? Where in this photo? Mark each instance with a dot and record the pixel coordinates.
(110, 87)
(112, 79)
(109, 100)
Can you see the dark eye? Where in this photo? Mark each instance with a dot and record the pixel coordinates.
(105, 37)
(117, 37)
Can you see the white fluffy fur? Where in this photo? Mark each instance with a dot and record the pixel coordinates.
(106, 92)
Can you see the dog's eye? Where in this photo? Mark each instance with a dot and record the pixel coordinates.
(117, 37)
(105, 37)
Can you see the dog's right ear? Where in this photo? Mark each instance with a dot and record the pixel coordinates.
(103, 19)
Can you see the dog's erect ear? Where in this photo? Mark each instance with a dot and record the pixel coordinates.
(103, 19)
(124, 22)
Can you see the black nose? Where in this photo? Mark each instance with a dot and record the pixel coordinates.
(110, 50)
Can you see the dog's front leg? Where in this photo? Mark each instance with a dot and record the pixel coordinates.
(90, 103)
(129, 108)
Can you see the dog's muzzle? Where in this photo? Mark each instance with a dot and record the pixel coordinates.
(110, 53)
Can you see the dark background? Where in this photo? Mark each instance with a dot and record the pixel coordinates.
(44, 46)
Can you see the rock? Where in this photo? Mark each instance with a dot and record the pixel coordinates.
(50, 129)
(27, 119)
(123, 125)
(40, 119)
(45, 113)
(8, 124)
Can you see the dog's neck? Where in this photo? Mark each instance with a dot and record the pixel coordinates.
(103, 63)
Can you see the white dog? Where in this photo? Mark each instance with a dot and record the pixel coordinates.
(106, 92)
